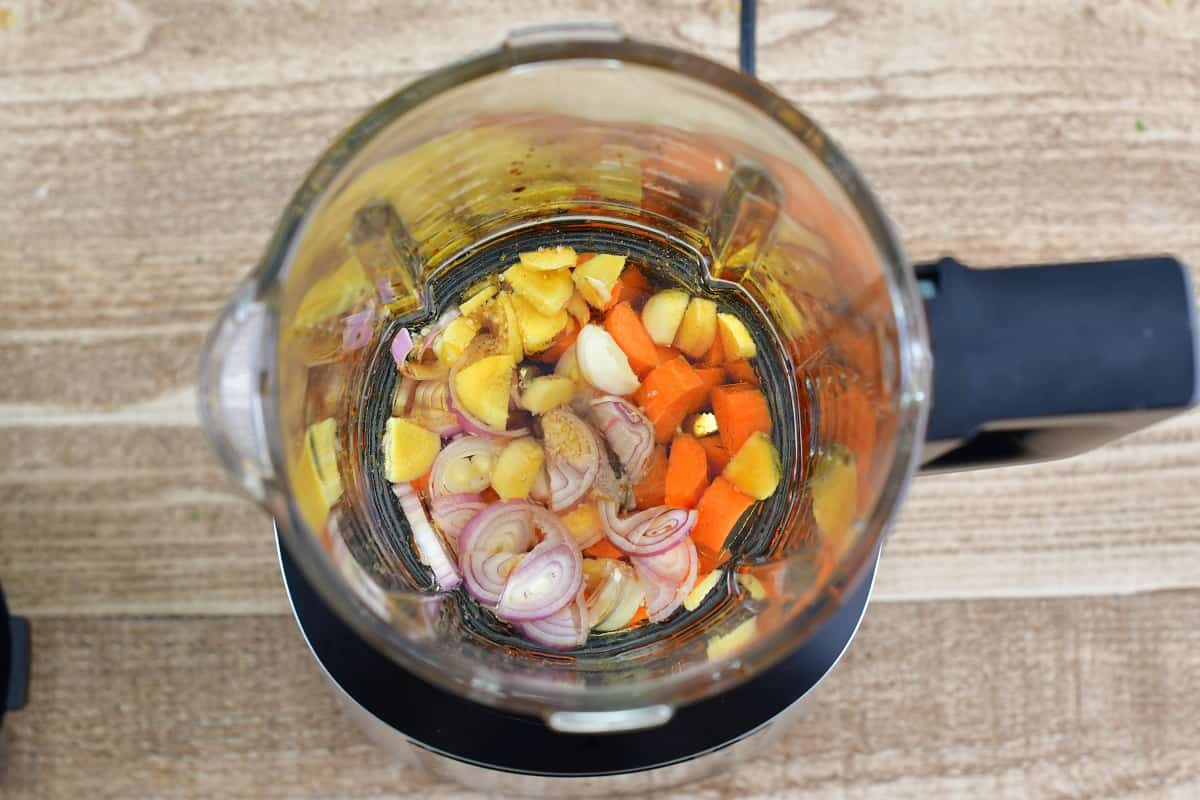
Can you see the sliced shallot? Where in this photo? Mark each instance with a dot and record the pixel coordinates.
(605, 583)
(547, 579)
(627, 431)
(452, 512)
(668, 578)
(464, 466)
(431, 407)
(402, 343)
(648, 532)
(491, 545)
(429, 546)
(626, 607)
(358, 330)
(562, 630)
(572, 457)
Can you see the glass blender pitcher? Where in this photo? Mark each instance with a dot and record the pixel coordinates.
(577, 135)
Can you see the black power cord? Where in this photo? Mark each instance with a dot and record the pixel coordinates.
(746, 36)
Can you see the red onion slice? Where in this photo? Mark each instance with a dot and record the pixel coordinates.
(386, 293)
(358, 330)
(464, 466)
(429, 546)
(605, 583)
(673, 566)
(541, 486)
(500, 529)
(564, 629)
(443, 423)
(452, 512)
(402, 344)
(572, 457)
(627, 431)
(431, 407)
(547, 579)
(648, 532)
(551, 527)
(668, 578)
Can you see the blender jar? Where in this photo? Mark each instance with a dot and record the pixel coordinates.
(577, 135)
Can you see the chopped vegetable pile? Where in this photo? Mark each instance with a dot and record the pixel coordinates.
(575, 448)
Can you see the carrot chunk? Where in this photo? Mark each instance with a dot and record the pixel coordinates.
(651, 490)
(687, 472)
(719, 509)
(741, 409)
(668, 394)
(626, 328)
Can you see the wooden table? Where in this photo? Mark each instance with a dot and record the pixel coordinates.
(1035, 631)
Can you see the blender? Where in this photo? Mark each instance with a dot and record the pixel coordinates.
(578, 135)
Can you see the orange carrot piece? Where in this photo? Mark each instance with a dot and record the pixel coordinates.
(715, 356)
(707, 562)
(718, 456)
(666, 353)
(743, 371)
(421, 484)
(687, 472)
(635, 279)
(741, 410)
(651, 490)
(640, 616)
(583, 258)
(489, 495)
(602, 549)
(668, 394)
(564, 340)
(718, 511)
(712, 376)
(632, 287)
(626, 328)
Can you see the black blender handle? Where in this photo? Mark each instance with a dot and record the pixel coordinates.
(14, 660)
(1040, 362)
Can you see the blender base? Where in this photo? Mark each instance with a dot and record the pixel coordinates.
(497, 751)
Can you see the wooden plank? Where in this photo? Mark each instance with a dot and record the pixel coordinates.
(128, 519)
(999, 698)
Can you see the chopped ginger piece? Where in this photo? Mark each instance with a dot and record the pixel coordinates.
(698, 327)
(545, 259)
(517, 468)
(756, 468)
(735, 338)
(455, 338)
(700, 591)
(597, 277)
(538, 330)
(547, 393)
(476, 301)
(736, 639)
(548, 292)
(483, 389)
(408, 450)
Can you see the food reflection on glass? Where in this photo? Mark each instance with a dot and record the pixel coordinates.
(574, 445)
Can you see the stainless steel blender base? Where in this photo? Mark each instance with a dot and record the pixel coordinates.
(775, 700)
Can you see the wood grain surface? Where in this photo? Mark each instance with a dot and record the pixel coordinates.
(1036, 630)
